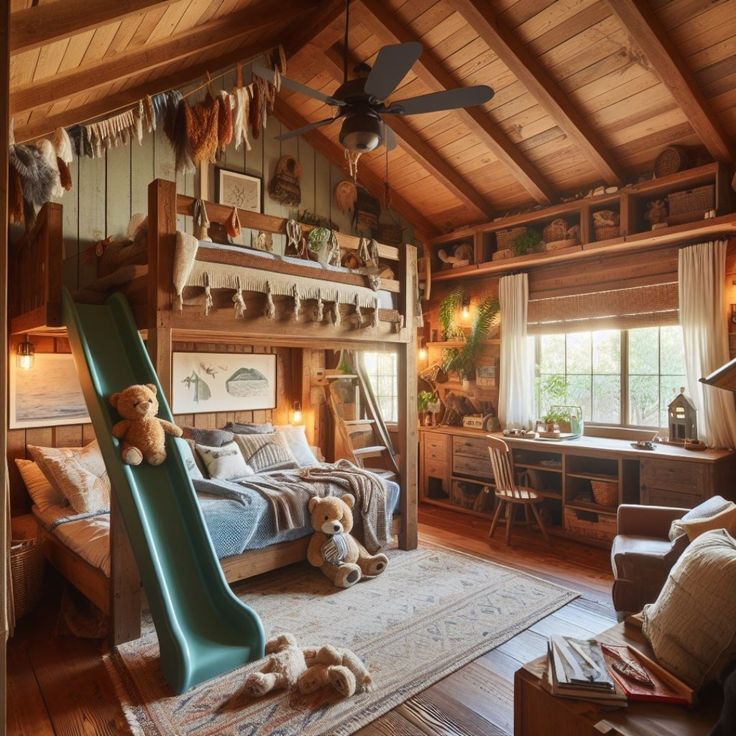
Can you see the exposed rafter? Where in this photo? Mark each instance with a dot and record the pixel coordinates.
(319, 29)
(420, 150)
(129, 96)
(292, 119)
(646, 30)
(43, 24)
(532, 74)
(383, 22)
(241, 26)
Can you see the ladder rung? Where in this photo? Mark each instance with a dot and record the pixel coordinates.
(356, 422)
(373, 450)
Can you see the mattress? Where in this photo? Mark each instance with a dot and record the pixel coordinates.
(235, 526)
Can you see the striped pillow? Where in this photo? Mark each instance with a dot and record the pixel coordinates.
(264, 452)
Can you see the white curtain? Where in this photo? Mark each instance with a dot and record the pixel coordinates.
(704, 320)
(516, 390)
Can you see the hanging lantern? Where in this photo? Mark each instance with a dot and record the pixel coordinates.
(24, 354)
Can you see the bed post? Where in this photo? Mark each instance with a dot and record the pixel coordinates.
(408, 534)
(125, 583)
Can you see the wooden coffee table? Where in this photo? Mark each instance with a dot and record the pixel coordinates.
(538, 713)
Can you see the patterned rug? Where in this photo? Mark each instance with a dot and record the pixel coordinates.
(429, 614)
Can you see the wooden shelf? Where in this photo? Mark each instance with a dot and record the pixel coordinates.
(447, 504)
(460, 343)
(544, 468)
(594, 476)
(594, 507)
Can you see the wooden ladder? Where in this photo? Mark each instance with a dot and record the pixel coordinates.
(356, 433)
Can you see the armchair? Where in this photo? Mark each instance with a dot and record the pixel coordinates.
(642, 554)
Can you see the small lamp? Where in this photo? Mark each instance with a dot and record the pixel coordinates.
(422, 354)
(24, 354)
(466, 307)
(296, 412)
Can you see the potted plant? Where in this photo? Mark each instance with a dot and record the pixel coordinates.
(567, 418)
(530, 241)
(448, 310)
(426, 401)
(319, 243)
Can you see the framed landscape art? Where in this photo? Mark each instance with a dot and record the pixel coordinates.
(211, 382)
(236, 189)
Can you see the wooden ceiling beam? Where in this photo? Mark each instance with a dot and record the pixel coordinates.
(374, 184)
(319, 30)
(42, 24)
(527, 68)
(383, 22)
(420, 150)
(239, 26)
(646, 30)
(126, 97)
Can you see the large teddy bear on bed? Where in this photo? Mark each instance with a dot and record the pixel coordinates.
(333, 549)
(142, 432)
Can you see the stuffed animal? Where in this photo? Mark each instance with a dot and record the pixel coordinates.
(284, 666)
(142, 432)
(332, 548)
(339, 668)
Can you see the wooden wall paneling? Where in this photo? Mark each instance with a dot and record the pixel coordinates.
(271, 154)
(306, 156)
(117, 198)
(343, 220)
(141, 173)
(92, 197)
(5, 623)
(322, 181)
(70, 203)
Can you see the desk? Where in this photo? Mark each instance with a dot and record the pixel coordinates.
(456, 473)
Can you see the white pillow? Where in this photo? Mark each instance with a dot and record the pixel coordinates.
(296, 439)
(225, 462)
(42, 493)
(187, 456)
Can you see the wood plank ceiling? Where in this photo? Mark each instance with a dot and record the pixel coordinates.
(587, 91)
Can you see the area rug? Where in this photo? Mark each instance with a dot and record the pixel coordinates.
(430, 613)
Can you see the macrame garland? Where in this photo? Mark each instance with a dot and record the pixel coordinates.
(320, 311)
(201, 221)
(208, 301)
(296, 296)
(293, 238)
(239, 301)
(270, 310)
(358, 312)
(240, 121)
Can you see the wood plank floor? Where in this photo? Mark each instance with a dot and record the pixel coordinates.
(58, 685)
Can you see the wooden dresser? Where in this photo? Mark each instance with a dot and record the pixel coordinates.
(456, 473)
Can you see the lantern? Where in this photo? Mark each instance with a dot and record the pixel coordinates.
(682, 418)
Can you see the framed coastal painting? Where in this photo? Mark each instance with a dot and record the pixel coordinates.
(207, 382)
(46, 395)
(236, 189)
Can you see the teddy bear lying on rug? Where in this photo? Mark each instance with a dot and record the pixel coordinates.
(333, 549)
(142, 432)
(309, 669)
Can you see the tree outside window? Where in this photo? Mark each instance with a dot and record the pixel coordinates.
(383, 373)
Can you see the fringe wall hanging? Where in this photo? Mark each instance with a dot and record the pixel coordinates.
(239, 301)
(208, 301)
(202, 125)
(297, 309)
(240, 122)
(270, 309)
(319, 309)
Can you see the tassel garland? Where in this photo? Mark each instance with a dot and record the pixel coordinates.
(297, 302)
(320, 310)
(270, 309)
(239, 301)
(208, 301)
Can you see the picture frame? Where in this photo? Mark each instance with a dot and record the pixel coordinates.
(223, 382)
(46, 395)
(237, 189)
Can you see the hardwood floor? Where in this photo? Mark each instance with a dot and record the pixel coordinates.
(58, 685)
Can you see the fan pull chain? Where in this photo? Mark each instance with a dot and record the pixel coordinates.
(352, 159)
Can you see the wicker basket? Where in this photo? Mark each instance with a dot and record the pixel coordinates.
(590, 524)
(605, 231)
(671, 160)
(505, 238)
(26, 567)
(697, 200)
(556, 230)
(605, 492)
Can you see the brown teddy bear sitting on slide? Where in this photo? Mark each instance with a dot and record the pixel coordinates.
(142, 432)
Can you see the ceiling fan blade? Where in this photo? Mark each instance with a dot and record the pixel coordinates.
(304, 129)
(270, 76)
(447, 100)
(391, 66)
(389, 137)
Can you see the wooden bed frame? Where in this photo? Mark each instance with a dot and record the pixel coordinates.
(36, 309)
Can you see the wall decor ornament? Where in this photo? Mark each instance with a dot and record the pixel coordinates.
(212, 382)
(236, 189)
(284, 186)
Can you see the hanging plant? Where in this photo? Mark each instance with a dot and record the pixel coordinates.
(463, 360)
(448, 310)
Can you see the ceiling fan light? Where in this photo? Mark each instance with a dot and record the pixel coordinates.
(361, 132)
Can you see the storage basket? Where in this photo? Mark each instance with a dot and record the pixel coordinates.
(505, 238)
(697, 200)
(26, 568)
(605, 492)
(556, 230)
(590, 524)
(609, 228)
(671, 160)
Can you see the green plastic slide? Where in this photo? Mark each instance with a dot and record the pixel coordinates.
(203, 629)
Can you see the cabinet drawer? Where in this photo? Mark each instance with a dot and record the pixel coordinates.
(436, 442)
(675, 477)
(662, 497)
(472, 466)
(473, 446)
(436, 469)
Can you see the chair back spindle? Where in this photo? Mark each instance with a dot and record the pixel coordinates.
(503, 467)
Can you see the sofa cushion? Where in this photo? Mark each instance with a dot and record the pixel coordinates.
(656, 551)
(711, 507)
(726, 519)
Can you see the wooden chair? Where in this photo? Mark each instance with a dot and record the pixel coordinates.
(508, 494)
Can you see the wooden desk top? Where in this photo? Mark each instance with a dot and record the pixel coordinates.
(594, 446)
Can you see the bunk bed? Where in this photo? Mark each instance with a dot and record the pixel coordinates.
(380, 315)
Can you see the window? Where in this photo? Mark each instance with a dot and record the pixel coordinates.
(382, 370)
(624, 377)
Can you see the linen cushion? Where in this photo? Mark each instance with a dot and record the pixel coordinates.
(209, 437)
(726, 519)
(296, 439)
(225, 462)
(42, 493)
(188, 457)
(78, 473)
(705, 510)
(242, 428)
(264, 452)
(692, 624)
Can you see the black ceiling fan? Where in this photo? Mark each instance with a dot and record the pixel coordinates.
(362, 102)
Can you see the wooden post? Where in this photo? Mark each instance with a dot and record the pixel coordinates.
(125, 583)
(408, 437)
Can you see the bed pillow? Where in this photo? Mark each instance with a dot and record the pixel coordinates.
(706, 510)
(225, 462)
(691, 626)
(188, 458)
(241, 428)
(78, 473)
(264, 452)
(726, 519)
(42, 493)
(296, 439)
(208, 437)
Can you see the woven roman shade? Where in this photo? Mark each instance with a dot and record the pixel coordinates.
(615, 309)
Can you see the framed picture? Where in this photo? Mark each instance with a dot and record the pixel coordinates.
(206, 382)
(485, 376)
(48, 394)
(236, 189)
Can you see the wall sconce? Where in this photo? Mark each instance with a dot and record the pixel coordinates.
(296, 412)
(466, 307)
(422, 354)
(24, 354)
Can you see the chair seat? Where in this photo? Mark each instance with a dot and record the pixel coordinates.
(522, 494)
(625, 544)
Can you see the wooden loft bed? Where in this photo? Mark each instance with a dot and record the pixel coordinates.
(36, 309)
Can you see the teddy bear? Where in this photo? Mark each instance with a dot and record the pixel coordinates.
(285, 664)
(333, 549)
(142, 432)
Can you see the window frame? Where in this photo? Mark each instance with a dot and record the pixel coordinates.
(396, 395)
